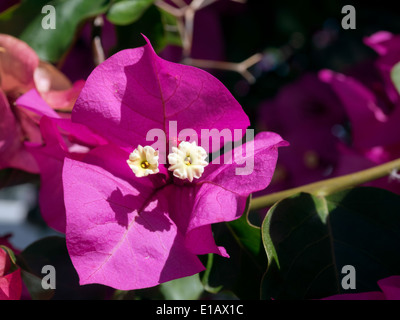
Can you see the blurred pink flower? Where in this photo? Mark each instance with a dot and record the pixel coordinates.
(373, 108)
(21, 71)
(128, 232)
(308, 115)
(387, 46)
(312, 114)
(60, 138)
(10, 282)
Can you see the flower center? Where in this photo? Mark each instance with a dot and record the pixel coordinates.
(145, 165)
(143, 161)
(187, 161)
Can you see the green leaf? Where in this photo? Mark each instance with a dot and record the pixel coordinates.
(50, 44)
(155, 24)
(127, 11)
(205, 278)
(171, 32)
(309, 239)
(247, 234)
(11, 256)
(395, 75)
(129, 36)
(34, 285)
(243, 271)
(15, 19)
(187, 288)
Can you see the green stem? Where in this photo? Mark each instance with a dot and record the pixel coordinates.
(328, 186)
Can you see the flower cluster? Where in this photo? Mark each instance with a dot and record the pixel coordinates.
(339, 123)
(371, 103)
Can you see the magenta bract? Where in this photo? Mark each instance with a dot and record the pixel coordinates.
(10, 282)
(59, 138)
(128, 232)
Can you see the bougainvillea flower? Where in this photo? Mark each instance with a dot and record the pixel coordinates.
(371, 127)
(387, 46)
(143, 161)
(390, 290)
(10, 282)
(55, 88)
(18, 62)
(12, 152)
(306, 113)
(375, 135)
(372, 105)
(132, 232)
(22, 71)
(60, 138)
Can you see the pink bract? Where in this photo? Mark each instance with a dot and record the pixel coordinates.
(128, 232)
(387, 46)
(20, 72)
(306, 113)
(10, 283)
(372, 105)
(60, 138)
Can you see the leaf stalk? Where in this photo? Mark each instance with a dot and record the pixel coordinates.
(328, 186)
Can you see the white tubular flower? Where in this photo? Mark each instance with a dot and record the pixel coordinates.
(187, 161)
(143, 161)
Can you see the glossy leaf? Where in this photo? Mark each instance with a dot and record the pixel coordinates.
(171, 31)
(309, 240)
(51, 44)
(33, 284)
(155, 23)
(187, 288)
(15, 19)
(127, 11)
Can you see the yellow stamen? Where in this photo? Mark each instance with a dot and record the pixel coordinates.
(188, 160)
(145, 165)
